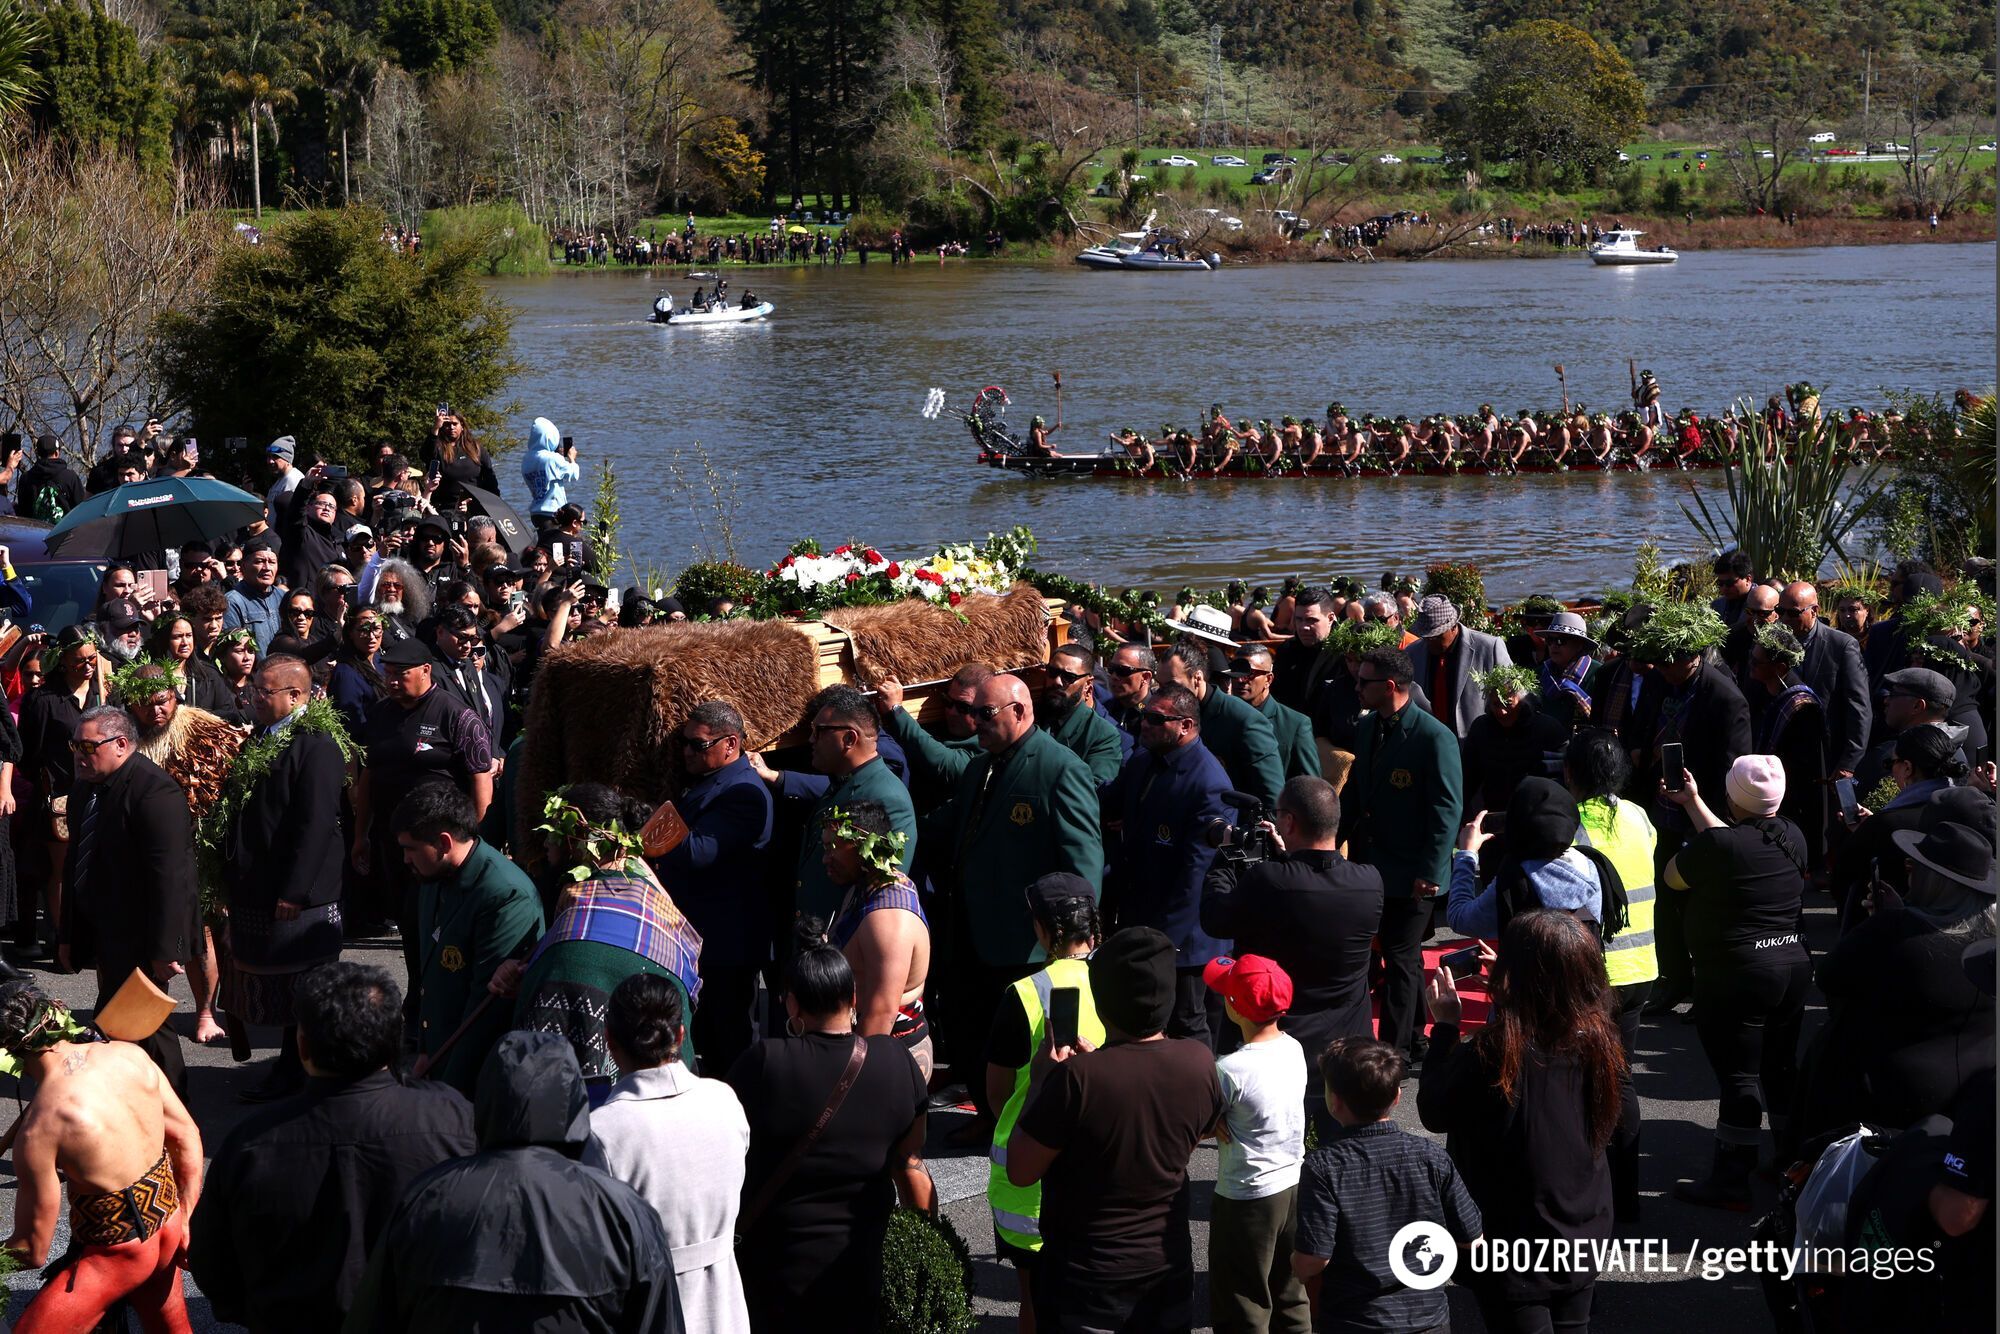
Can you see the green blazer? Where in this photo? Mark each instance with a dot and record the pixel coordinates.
(1037, 814)
(1399, 812)
(1242, 739)
(468, 923)
(1092, 738)
(874, 781)
(1296, 750)
(935, 764)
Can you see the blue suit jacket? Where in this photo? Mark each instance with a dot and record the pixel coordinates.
(1166, 803)
(717, 874)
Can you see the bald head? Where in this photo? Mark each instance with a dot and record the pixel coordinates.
(1798, 608)
(1004, 712)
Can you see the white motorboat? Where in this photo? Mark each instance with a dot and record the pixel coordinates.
(724, 315)
(1622, 247)
(1138, 251)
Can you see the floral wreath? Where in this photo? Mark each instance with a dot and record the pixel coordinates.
(880, 853)
(561, 818)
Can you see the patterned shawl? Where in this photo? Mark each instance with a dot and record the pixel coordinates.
(630, 909)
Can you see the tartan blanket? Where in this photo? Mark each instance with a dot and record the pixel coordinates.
(629, 908)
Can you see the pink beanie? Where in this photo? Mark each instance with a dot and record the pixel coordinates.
(1757, 784)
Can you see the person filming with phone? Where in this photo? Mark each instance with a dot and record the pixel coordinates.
(1743, 881)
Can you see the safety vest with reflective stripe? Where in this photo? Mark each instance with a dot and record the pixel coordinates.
(1621, 831)
(1017, 1210)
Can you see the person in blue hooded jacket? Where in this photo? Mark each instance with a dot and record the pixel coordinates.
(548, 466)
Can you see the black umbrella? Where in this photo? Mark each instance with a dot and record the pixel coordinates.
(516, 533)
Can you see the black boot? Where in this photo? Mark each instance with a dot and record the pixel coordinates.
(1728, 1184)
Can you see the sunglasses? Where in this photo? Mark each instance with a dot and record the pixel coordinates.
(79, 746)
(700, 747)
(1063, 678)
(1123, 670)
(1158, 719)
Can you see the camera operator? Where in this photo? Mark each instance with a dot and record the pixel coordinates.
(1310, 909)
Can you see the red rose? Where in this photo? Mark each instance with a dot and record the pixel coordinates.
(953, 598)
(874, 556)
(842, 551)
(894, 571)
(786, 563)
(853, 578)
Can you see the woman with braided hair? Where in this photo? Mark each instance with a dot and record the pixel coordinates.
(106, 1119)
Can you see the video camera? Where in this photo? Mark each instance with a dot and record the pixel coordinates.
(1245, 842)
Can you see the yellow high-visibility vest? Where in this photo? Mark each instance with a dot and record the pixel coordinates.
(1621, 831)
(1017, 1210)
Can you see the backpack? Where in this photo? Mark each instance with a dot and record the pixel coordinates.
(46, 503)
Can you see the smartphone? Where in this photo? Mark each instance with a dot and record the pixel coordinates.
(1673, 767)
(1850, 805)
(517, 601)
(191, 448)
(435, 470)
(444, 409)
(1461, 964)
(1494, 823)
(333, 470)
(153, 587)
(1065, 1016)
(556, 550)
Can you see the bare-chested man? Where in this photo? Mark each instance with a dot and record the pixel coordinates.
(1292, 438)
(1219, 440)
(1639, 436)
(1136, 446)
(880, 926)
(1311, 443)
(1601, 443)
(105, 1119)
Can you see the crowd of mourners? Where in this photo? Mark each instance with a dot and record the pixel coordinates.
(805, 239)
(661, 1069)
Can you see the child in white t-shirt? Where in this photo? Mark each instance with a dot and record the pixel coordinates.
(1263, 1143)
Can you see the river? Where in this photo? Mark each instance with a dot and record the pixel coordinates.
(809, 423)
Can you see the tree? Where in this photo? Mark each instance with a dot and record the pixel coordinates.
(324, 333)
(1767, 107)
(77, 322)
(246, 52)
(1548, 95)
(21, 36)
(96, 88)
(1924, 101)
(429, 36)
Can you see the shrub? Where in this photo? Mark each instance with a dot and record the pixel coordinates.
(1466, 589)
(926, 1277)
(702, 583)
(507, 241)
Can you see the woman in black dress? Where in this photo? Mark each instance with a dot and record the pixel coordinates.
(49, 720)
(1528, 1105)
(812, 1230)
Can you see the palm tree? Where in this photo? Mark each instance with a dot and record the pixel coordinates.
(20, 33)
(344, 63)
(245, 49)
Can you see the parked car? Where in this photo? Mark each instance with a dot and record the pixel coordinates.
(1336, 159)
(1222, 220)
(1673, 155)
(1280, 160)
(1390, 160)
(63, 589)
(1988, 148)
(1227, 160)
(1895, 148)
(1177, 160)
(1264, 177)
(1701, 157)
(1624, 156)
(1823, 137)
(1645, 157)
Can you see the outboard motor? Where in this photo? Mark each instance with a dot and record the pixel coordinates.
(663, 306)
(1214, 259)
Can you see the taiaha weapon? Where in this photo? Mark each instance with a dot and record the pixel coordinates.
(1564, 382)
(1057, 376)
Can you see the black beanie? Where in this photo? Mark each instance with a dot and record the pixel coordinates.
(1132, 981)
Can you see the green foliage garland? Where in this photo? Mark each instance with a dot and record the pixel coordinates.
(1676, 630)
(1508, 681)
(1462, 584)
(1929, 618)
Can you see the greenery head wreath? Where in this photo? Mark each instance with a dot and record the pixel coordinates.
(880, 853)
(1507, 682)
(1780, 646)
(1678, 631)
(562, 819)
(1929, 618)
(141, 679)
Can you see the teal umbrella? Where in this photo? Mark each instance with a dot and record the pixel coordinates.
(158, 515)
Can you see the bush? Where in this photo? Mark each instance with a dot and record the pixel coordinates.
(703, 582)
(326, 334)
(1464, 587)
(508, 242)
(926, 1277)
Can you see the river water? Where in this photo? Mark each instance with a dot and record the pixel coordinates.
(809, 423)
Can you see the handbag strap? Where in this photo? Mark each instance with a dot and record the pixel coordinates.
(783, 1173)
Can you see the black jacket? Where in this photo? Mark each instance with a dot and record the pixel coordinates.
(286, 843)
(298, 1193)
(309, 547)
(1315, 913)
(1833, 669)
(472, 1245)
(135, 901)
(46, 486)
(1712, 723)
(207, 690)
(1495, 759)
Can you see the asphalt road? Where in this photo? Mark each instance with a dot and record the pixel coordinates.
(1675, 1086)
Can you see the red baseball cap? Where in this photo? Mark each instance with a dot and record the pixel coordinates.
(1255, 985)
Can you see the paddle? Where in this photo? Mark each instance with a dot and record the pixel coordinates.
(1563, 380)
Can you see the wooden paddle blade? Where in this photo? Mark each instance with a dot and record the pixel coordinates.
(664, 832)
(137, 1011)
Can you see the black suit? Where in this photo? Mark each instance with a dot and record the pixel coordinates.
(129, 891)
(482, 690)
(1711, 720)
(1832, 667)
(286, 843)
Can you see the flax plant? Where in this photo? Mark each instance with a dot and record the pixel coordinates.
(1790, 501)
